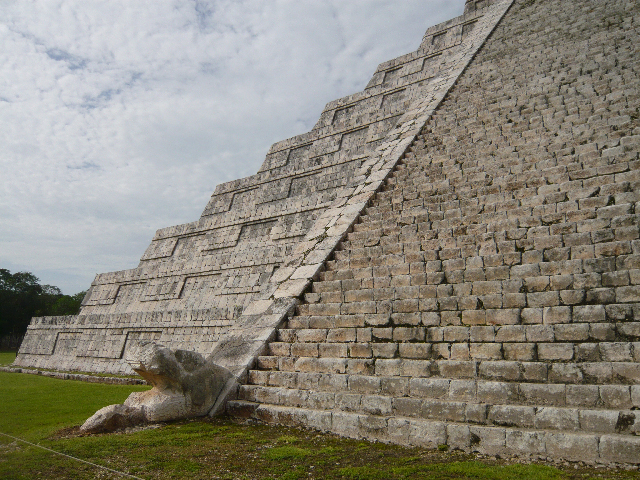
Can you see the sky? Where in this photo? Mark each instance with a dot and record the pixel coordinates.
(119, 117)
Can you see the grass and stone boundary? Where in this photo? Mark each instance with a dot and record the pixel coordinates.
(47, 412)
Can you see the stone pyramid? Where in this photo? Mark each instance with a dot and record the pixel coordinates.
(451, 256)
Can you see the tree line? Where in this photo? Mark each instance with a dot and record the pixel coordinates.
(22, 297)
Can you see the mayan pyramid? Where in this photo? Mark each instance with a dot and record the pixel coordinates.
(451, 256)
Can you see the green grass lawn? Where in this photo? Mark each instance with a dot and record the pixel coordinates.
(7, 358)
(37, 408)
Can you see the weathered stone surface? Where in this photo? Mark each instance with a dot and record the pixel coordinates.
(113, 417)
(457, 251)
(620, 449)
(576, 447)
(185, 385)
(510, 241)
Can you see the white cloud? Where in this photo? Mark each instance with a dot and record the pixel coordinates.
(118, 117)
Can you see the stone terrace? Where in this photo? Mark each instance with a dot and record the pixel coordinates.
(489, 297)
(196, 280)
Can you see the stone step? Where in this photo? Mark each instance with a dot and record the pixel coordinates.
(497, 217)
(574, 226)
(503, 217)
(490, 440)
(505, 188)
(581, 341)
(561, 238)
(431, 167)
(491, 412)
(343, 343)
(626, 397)
(336, 265)
(566, 295)
(332, 275)
(489, 183)
(365, 225)
(585, 373)
(561, 281)
(489, 297)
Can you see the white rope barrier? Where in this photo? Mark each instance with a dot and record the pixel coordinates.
(73, 458)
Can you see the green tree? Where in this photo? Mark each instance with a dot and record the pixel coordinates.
(67, 304)
(22, 297)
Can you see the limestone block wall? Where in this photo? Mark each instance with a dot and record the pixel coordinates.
(488, 297)
(198, 284)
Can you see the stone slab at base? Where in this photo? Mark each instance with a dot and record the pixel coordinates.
(76, 376)
(503, 441)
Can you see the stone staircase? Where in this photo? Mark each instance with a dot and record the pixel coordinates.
(387, 347)
(398, 342)
(489, 296)
(500, 331)
(198, 284)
